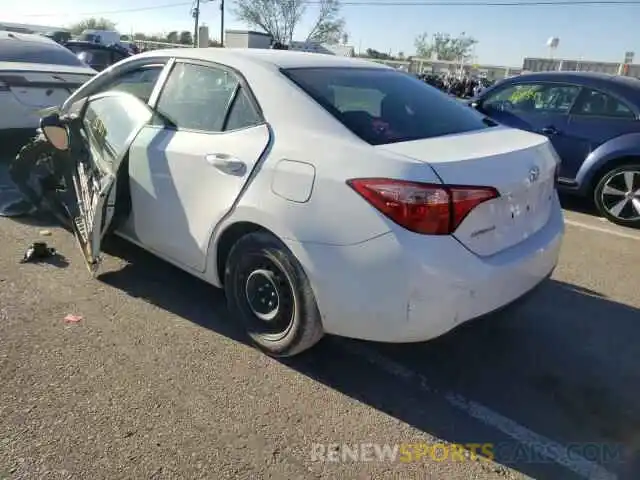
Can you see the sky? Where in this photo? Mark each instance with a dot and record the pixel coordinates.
(505, 34)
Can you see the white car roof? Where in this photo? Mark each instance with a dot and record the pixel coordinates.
(235, 57)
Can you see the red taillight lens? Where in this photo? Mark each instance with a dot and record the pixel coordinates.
(422, 207)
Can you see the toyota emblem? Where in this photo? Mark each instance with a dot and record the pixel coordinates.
(534, 174)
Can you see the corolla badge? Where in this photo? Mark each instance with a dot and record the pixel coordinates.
(534, 174)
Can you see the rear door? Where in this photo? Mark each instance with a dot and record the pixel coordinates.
(100, 140)
(596, 117)
(541, 107)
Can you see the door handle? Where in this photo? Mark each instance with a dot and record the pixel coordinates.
(226, 163)
(550, 130)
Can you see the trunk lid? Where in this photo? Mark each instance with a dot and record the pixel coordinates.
(43, 88)
(519, 164)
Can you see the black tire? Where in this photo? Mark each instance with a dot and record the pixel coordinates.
(605, 203)
(259, 261)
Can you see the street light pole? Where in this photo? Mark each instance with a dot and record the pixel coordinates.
(196, 18)
(222, 23)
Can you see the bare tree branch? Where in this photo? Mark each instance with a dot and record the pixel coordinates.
(329, 27)
(279, 18)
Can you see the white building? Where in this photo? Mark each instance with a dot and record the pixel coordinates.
(252, 39)
(246, 39)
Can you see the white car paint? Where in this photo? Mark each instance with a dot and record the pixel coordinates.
(372, 278)
(26, 88)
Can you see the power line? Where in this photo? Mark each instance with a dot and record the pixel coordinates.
(546, 3)
(112, 12)
(387, 3)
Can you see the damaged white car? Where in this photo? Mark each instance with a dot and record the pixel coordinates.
(324, 194)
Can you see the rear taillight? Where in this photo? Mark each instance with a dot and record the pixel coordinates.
(422, 207)
(4, 87)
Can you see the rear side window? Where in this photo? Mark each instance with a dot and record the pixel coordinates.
(599, 104)
(15, 50)
(385, 106)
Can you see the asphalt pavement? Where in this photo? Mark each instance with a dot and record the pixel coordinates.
(156, 381)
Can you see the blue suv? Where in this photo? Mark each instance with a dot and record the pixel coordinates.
(592, 120)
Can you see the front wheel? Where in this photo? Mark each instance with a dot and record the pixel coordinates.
(617, 196)
(269, 292)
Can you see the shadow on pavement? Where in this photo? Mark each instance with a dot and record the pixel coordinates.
(564, 364)
(579, 205)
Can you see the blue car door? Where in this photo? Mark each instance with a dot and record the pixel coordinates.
(596, 118)
(539, 107)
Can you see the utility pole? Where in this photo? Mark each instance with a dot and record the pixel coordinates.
(222, 23)
(196, 18)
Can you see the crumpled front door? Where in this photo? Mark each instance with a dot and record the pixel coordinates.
(100, 139)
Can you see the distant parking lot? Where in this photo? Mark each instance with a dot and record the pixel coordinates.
(156, 382)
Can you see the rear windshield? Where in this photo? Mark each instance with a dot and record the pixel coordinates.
(12, 50)
(385, 106)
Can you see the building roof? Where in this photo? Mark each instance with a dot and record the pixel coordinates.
(266, 57)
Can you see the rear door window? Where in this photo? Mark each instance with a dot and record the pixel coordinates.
(197, 97)
(384, 106)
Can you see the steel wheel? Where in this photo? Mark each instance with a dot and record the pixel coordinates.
(621, 195)
(269, 297)
(268, 291)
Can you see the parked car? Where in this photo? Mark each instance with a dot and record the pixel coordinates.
(35, 73)
(593, 122)
(96, 55)
(323, 193)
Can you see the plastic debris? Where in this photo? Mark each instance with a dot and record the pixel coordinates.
(38, 251)
(72, 318)
(45, 233)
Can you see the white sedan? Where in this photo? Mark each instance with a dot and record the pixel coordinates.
(35, 73)
(324, 194)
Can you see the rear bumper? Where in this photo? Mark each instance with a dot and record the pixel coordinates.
(404, 287)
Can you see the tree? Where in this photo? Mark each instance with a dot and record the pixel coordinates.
(186, 38)
(92, 24)
(329, 26)
(172, 37)
(445, 47)
(279, 18)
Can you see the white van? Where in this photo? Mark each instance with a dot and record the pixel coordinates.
(104, 37)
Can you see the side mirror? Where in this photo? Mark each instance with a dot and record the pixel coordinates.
(55, 132)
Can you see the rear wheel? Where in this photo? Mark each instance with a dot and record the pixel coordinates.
(269, 292)
(617, 195)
